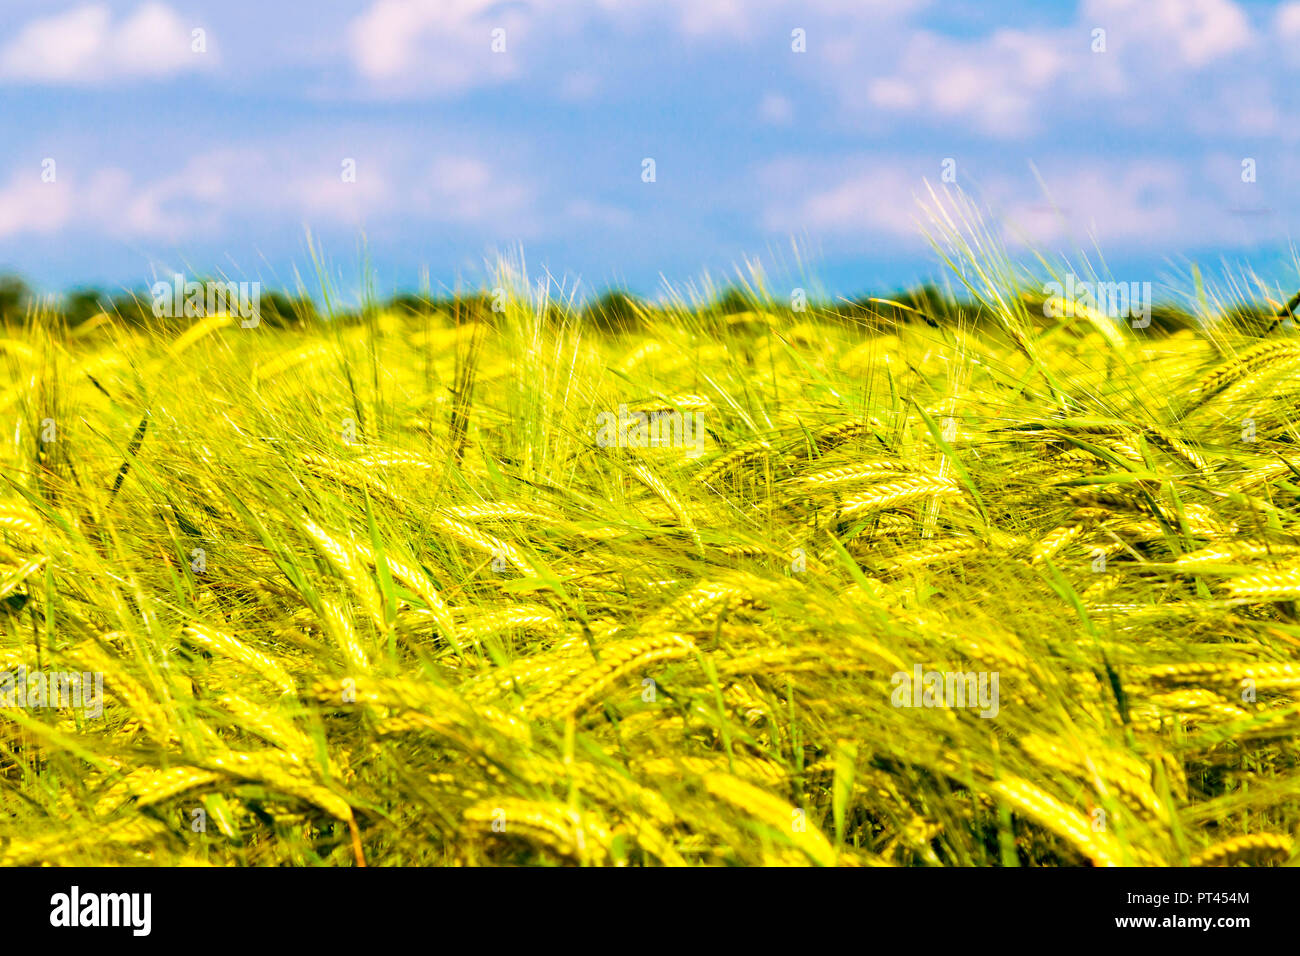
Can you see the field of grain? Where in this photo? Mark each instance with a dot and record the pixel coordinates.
(395, 591)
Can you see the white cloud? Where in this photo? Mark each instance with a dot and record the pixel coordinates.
(85, 46)
(436, 46)
(776, 109)
(1006, 83)
(1238, 106)
(1120, 203)
(466, 190)
(443, 47)
(324, 195)
(705, 17)
(1117, 202)
(1286, 31)
(1286, 22)
(995, 82)
(28, 205)
(741, 21)
(873, 197)
(106, 201)
(1198, 31)
(211, 190)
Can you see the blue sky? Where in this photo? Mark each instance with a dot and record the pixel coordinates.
(167, 158)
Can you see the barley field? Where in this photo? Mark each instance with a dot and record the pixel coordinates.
(395, 591)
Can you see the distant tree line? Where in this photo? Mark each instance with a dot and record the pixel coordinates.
(616, 311)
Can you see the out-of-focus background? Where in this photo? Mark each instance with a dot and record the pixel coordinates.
(622, 143)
